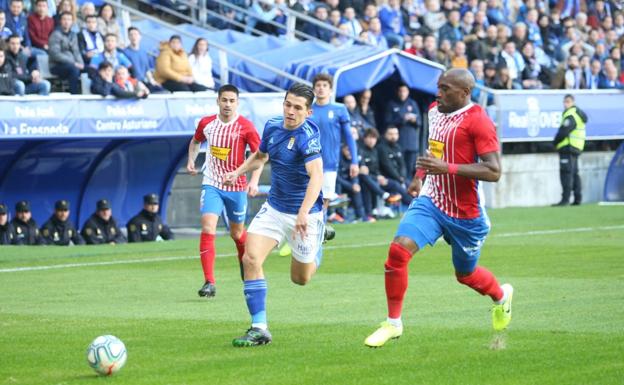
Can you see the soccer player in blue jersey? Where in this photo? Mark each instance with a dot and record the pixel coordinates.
(293, 211)
(335, 127)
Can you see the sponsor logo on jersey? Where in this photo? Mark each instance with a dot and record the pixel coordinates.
(330, 114)
(291, 143)
(220, 152)
(436, 148)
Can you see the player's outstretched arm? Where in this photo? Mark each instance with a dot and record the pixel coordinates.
(314, 169)
(254, 162)
(193, 151)
(488, 169)
(252, 186)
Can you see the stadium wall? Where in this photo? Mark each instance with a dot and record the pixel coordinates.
(533, 180)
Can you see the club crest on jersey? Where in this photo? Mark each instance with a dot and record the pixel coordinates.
(291, 143)
(220, 152)
(330, 114)
(436, 148)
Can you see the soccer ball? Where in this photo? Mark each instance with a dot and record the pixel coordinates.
(107, 354)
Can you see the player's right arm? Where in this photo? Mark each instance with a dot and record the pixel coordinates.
(193, 149)
(254, 162)
(193, 152)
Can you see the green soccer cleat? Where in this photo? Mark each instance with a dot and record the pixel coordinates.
(382, 335)
(253, 337)
(501, 314)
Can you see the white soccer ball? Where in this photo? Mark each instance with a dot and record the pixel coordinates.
(107, 354)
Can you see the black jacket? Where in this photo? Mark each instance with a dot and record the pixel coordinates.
(146, 227)
(391, 160)
(369, 157)
(97, 231)
(6, 234)
(25, 233)
(19, 65)
(567, 126)
(7, 80)
(56, 232)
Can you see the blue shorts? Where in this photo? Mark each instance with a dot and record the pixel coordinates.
(424, 223)
(213, 200)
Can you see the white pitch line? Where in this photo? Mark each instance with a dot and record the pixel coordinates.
(166, 259)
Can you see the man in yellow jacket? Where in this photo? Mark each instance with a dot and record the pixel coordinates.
(569, 142)
(173, 69)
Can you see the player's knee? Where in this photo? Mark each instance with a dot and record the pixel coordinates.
(236, 234)
(398, 256)
(250, 261)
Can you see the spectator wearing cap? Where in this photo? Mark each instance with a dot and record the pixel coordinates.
(59, 229)
(147, 225)
(101, 227)
(25, 231)
(6, 230)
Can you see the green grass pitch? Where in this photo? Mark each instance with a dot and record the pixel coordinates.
(566, 264)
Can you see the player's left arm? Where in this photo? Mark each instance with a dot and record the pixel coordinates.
(488, 169)
(253, 163)
(345, 129)
(314, 168)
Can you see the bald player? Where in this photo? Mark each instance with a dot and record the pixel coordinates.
(463, 150)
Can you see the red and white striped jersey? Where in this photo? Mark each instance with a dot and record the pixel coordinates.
(225, 150)
(458, 137)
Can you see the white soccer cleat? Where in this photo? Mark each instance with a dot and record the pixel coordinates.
(386, 332)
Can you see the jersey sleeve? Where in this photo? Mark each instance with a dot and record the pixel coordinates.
(251, 136)
(345, 128)
(310, 147)
(199, 131)
(484, 134)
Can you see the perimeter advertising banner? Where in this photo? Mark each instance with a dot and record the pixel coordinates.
(531, 116)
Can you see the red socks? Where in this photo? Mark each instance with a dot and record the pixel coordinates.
(240, 245)
(396, 278)
(207, 255)
(484, 282)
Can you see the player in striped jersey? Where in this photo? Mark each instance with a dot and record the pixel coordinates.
(463, 150)
(227, 135)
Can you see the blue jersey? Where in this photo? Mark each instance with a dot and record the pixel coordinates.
(334, 124)
(289, 151)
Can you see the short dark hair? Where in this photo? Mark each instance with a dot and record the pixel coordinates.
(87, 17)
(131, 29)
(15, 36)
(65, 13)
(371, 132)
(174, 37)
(109, 35)
(227, 88)
(104, 65)
(41, 1)
(302, 90)
(569, 96)
(323, 78)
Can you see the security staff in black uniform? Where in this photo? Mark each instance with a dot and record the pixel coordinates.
(101, 227)
(570, 141)
(25, 231)
(391, 159)
(6, 230)
(147, 225)
(59, 229)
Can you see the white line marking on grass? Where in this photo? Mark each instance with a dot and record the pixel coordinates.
(166, 259)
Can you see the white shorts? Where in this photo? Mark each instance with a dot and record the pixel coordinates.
(329, 185)
(281, 227)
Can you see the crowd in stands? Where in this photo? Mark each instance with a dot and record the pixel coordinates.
(100, 228)
(87, 44)
(507, 44)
